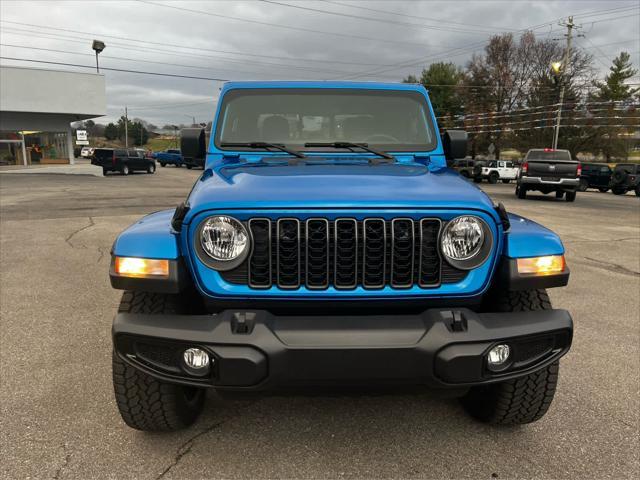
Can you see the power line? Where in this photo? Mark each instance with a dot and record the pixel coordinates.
(92, 67)
(464, 49)
(276, 25)
(165, 44)
(166, 63)
(181, 54)
(379, 20)
(395, 14)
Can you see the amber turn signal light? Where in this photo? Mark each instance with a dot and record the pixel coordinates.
(547, 265)
(141, 267)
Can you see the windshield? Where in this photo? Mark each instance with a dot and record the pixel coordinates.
(385, 120)
(548, 155)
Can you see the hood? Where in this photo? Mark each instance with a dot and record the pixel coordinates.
(398, 185)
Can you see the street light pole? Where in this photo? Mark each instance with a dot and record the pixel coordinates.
(565, 66)
(98, 47)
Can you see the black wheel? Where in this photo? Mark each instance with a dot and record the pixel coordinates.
(124, 170)
(521, 192)
(477, 179)
(603, 189)
(151, 168)
(618, 190)
(571, 196)
(104, 172)
(162, 164)
(560, 194)
(638, 190)
(144, 402)
(506, 181)
(524, 399)
(584, 184)
(493, 178)
(189, 167)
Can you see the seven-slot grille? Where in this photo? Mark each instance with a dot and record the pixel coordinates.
(343, 253)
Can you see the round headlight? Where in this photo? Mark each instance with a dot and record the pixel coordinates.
(224, 241)
(466, 242)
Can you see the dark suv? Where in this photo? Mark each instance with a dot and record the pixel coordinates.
(121, 160)
(595, 175)
(466, 167)
(625, 178)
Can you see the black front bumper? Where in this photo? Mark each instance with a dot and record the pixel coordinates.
(255, 350)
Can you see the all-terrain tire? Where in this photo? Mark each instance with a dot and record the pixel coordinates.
(521, 192)
(124, 170)
(584, 184)
(619, 190)
(151, 168)
(524, 399)
(493, 178)
(570, 196)
(144, 402)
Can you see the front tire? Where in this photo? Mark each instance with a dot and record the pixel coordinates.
(524, 399)
(144, 402)
(124, 170)
(151, 168)
(493, 178)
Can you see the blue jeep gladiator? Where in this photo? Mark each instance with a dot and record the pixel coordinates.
(327, 244)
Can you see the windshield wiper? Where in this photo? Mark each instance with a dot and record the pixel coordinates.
(350, 146)
(264, 145)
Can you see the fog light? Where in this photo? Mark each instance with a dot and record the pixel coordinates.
(196, 360)
(498, 356)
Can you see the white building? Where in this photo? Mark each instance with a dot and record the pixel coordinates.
(37, 108)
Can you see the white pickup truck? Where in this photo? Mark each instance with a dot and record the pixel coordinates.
(495, 170)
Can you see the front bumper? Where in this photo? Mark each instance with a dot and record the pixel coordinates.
(255, 350)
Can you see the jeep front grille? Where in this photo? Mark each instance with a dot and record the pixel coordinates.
(344, 253)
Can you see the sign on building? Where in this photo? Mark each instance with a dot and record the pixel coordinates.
(81, 137)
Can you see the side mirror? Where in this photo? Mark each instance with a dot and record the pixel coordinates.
(455, 144)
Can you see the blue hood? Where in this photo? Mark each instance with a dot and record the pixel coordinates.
(347, 185)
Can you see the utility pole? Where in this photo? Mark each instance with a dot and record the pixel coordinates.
(565, 65)
(126, 128)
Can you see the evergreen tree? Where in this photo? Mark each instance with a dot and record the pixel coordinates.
(111, 131)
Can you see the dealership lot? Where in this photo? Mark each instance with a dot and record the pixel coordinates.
(59, 418)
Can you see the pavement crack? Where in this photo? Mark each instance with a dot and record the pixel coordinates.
(607, 240)
(101, 252)
(75, 232)
(613, 267)
(65, 462)
(186, 446)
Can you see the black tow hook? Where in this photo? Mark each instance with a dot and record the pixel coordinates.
(455, 320)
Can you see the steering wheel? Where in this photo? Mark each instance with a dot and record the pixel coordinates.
(381, 138)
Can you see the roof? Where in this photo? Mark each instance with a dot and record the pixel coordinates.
(324, 84)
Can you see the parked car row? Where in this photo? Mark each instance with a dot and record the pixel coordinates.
(553, 171)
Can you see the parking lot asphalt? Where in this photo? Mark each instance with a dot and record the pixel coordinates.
(59, 418)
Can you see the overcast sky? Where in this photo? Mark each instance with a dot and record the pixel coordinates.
(282, 39)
